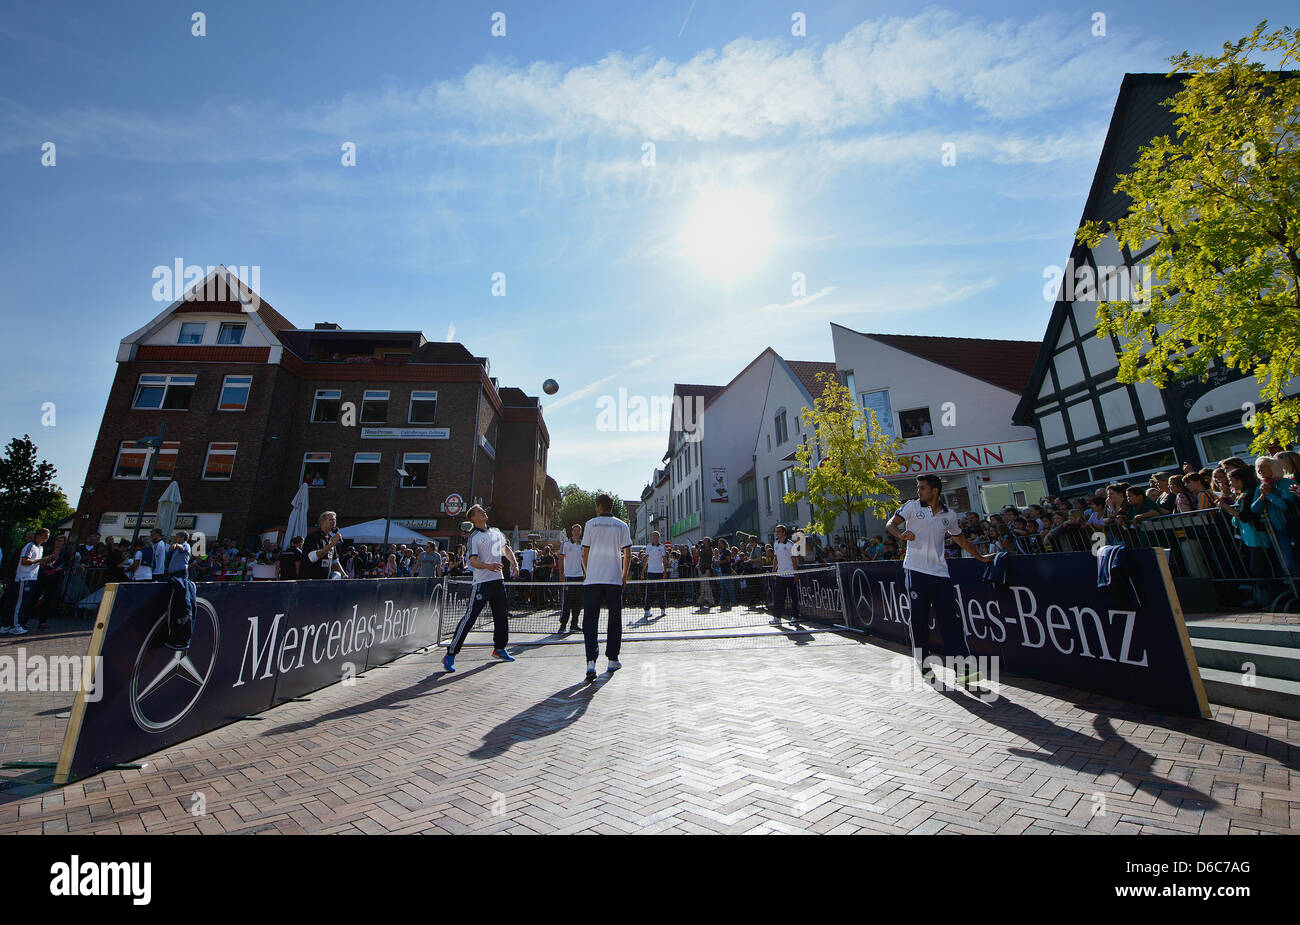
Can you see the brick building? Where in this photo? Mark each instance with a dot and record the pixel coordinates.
(255, 406)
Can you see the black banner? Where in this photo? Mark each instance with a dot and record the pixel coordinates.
(254, 645)
(1051, 621)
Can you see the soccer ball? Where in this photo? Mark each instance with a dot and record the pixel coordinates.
(550, 387)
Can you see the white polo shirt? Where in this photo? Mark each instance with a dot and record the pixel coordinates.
(606, 537)
(784, 553)
(925, 553)
(488, 545)
(526, 559)
(160, 558)
(29, 572)
(654, 559)
(572, 553)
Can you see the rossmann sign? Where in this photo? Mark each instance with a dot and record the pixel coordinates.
(1051, 621)
(975, 456)
(254, 645)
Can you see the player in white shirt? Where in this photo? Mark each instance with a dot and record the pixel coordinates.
(927, 521)
(159, 563)
(653, 560)
(484, 551)
(571, 574)
(784, 580)
(606, 557)
(29, 568)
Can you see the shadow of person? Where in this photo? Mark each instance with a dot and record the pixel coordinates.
(554, 714)
(1109, 753)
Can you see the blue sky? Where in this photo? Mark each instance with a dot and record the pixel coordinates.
(525, 154)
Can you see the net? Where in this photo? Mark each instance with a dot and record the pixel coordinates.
(543, 611)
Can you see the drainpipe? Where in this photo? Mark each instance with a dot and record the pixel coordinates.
(473, 469)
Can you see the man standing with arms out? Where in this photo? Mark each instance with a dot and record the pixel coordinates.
(606, 557)
(653, 558)
(926, 521)
(320, 549)
(485, 548)
(784, 581)
(159, 555)
(29, 569)
(572, 575)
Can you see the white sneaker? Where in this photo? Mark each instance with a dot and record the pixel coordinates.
(18, 630)
(6, 630)
(614, 665)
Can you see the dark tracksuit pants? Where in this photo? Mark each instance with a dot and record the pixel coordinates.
(654, 592)
(571, 600)
(23, 604)
(781, 586)
(595, 597)
(926, 590)
(489, 592)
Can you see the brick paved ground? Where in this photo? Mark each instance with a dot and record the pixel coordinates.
(805, 734)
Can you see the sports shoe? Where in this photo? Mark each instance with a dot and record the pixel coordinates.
(647, 614)
(614, 665)
(662, 614)
(503, 655)
(969, 678)
(6, 630)
(591, 672)
(449, 662)
(927, 674)
(18, 630)
(775, 621)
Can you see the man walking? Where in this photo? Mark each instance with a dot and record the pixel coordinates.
(606, 557)
(485, 549)
(927, 521)
(653, 559)
(572, 575)
(784, 581)
(29, 569)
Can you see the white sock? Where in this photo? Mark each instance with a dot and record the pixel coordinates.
(591, 666)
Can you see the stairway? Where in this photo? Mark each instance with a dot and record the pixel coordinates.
(1223, 650)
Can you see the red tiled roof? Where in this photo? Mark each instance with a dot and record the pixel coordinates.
(1007, 364)
(806, 372)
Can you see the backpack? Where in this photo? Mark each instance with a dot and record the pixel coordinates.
(146, 555)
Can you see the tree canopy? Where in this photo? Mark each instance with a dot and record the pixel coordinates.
(577, 506)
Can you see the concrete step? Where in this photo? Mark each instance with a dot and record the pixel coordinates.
(1256, 633)
(1281, 662)
(1274, 696)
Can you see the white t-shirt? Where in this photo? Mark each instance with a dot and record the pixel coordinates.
(925, 553)
(263, 569)
(526, 559)
(488, 545)
(784, 554)
(160, 558)
(654, 559)
(140, 572)
(606, 537)
(572, 553)
(29, 572)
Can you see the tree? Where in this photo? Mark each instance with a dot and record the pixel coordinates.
(845, 461)
(1222, 202)
(28, 496)
(577, 506)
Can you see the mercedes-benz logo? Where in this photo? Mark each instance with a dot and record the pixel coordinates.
(862, 605)
(162, 677)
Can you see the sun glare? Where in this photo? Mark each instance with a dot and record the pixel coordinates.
(728, 232)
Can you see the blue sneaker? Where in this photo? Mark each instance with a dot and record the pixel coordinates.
(449, 662)
(503, 655)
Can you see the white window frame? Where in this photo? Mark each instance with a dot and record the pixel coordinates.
(165, 381)
(240, 326)
(325, 393)
(128, 446)
(232, 453)
(226, 383)
(203, 331)
(409, 458)
(421, 396)
(377, 460)
(302, 473)
(374, 395)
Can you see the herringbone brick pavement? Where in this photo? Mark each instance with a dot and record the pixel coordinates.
(824, 736)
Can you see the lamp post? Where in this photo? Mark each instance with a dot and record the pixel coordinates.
(156, 443)
(392, 490)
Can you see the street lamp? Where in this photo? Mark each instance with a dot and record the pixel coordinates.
(392, 489)
(156, 443)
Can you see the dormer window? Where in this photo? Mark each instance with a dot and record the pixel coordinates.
(231, 334)
(191, 332)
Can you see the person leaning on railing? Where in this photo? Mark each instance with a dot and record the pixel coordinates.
(1275, 495)
(1250, 527)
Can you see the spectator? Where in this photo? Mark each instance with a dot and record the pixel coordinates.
(1141, 506)
(264, 563)
(289, 559)
(1274, 494)
(1250, 525)
(1183, 502)
(141, 560)
(1163, 496)
(1221, 485)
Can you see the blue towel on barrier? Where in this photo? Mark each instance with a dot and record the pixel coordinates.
(181, 604)
(1110, 559)
(995, 573)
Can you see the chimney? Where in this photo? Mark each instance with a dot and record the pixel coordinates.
(327, 326)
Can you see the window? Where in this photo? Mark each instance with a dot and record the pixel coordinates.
(788, 512)
(915, 423)
(878, 402)
(417, 470)
(231, 334)
(234, 393)
(537, 500)
(374, 407)
(781, 433)
(315, 470)
(492, 433)
(1142, 464)
(191, 332)
(423, 405)
(769, 443)
(220, 461)
(325, 409)
(1071, 479)
(1235, 441)
(133, 460)
(1108, 471)
(365, 470)
(169, 393)
(847, 380)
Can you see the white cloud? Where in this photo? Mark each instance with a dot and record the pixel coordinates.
(800, 302)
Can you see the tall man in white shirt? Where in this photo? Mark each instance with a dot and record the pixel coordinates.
(159, 555)
(606, 557)
(653, 559)
(571, 570)
(785, 580)
(925, 522)
(29, 569)
(484, 550)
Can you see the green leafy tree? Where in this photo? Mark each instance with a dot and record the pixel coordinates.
(577, 506)
(28, 496)
(846, 460)
(1221, 201)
